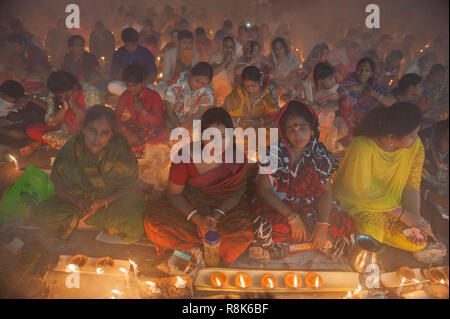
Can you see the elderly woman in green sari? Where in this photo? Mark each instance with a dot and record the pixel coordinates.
(96, 183)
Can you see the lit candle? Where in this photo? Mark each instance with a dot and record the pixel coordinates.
(15, 161)
(293, 280)
(401, 286)
(313, 280)
(269, 281)
(390, 82)
(152, 287)
(159, 59)
(160, 76)
(242, 280)
(218, 279)
(180, 283)
(133, 267)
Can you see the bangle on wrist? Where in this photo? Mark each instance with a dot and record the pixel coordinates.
(293, 219)
(401, 214)
(425, 194)
(323, 224)
(220, 211)
(191, 214)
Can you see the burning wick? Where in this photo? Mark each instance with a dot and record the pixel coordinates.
(270, 283)
(103, 58)
(401, 286)
(316, 284)
(100, 270)
(158, 58)
(72, 268)
(15, 161)
(180, 283)
(116, 292)
(241, 280)
(133, 267)
(390, 82)
(160, 76)
(152, 287)
(295, 281)
(218, 282)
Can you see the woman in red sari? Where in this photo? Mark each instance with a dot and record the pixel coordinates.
(201, 196)
(294, 202)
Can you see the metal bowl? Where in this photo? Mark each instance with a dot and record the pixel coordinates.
(365, 242)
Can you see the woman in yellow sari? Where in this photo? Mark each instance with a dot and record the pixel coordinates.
(252, 104)
(378, 183)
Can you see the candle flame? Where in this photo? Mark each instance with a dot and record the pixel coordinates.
(270, 283)
(317, 282)
(421, 50)
(442, 281)
(123, 270)
(241, 280)
(349, 295)
(103, 58)
(357, 290)
(100, 270)
(158, 58)
(390, 82)
(160, 76)
(295, 281)
(12, 158)
(71, 268)
(218, 282)
(116, 292)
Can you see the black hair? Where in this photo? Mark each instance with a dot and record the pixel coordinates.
(200, 31)
(17, 38)
(228, 38)
(61, 81)
(12, 89)
(436, 68)
(216, 115)
(396, 54)
(148, 22)
(185, 34)
(367, 60)
(202, 69)
(407, 80)
(298, 108)
(429, 57)
(130, 35)
(227, 23)
(243, 27)
(322, 71)
(251, 73)
(73, 38)
(400, 119)
(99, 112)
(283, 42)
(254, 44)
(133, 73)
(254, 28)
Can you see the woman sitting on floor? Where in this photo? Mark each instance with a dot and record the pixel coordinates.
(202, 193)
(66, 107)
(96, 183)
(378, 182)
(294, 202)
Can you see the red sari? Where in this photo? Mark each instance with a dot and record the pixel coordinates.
(147, 123)
(168, 228)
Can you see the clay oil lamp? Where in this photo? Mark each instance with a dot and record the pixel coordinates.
(293, 280)
(269, 281)
(243, 280)
(218, 279)
(313, 280)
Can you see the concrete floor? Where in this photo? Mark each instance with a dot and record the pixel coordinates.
(84, 242)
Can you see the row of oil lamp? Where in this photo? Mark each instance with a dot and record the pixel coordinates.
(103, 264)
(243, 280)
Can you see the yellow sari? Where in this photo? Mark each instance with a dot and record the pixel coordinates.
(370, 182)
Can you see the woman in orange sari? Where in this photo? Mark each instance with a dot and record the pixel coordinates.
(203, 196)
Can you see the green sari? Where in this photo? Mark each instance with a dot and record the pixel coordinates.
(94, 176)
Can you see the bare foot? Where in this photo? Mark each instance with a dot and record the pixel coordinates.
(258, 253)
(83, 225)
(30, 148)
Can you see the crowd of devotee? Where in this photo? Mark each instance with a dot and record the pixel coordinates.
(362, 119)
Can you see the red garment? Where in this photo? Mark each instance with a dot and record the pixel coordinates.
(152, 115)
(219, 182)
(38, 130)
(72, 123)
